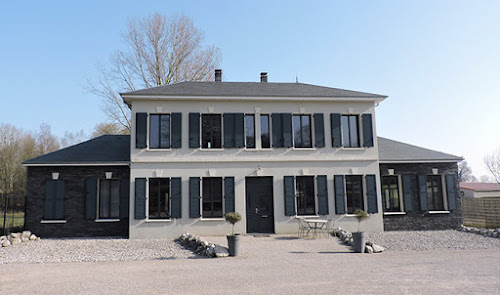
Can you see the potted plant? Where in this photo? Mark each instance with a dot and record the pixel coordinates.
(359, 236)
(233, 240)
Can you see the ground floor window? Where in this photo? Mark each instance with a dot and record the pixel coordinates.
(159, 198)
(304, 191)
(354, 193)
(109, 199)
(390, 193)
(435, 192)
(212, 197)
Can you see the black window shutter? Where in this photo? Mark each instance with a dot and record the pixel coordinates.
(367, 130)
(407, 193)
(176, 198)
(371, 193)
(50, 198)
(422, 191)
(140, 198)
(287, 130)
(322, 195)
(277, 130)
(91, 198)
(194, 197)
(338, 182)
(176, 135)
(124, 197)
(319, 131)
(289, 196)
(336, 130)
(228, 130)
(229, 194)
(59, 199)
(451, 191)
(239, 130)
(141, 129)
(194, 130)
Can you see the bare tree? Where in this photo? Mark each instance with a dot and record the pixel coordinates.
(72, 138)
(464, 172)
(159, 51)
(108, 128)
(46, 141)
(492, 162)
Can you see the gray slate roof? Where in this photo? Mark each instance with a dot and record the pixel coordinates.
(394, 151)
(102, 149)
(250, 89)
(116, 148)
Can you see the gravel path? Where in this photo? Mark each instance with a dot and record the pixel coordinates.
(432, 240)
(86, 250)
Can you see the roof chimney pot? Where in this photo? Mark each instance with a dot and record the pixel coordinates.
(218, 75)
(263, 77)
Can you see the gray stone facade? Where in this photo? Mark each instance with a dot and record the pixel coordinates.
(418, 219)
(74, 202)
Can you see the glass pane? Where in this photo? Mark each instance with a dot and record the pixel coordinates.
(104, 198)
(217, 196)
(354, 193)
(250, 131)
(345, 131)
(164, 196)
(353, 131)
(206, 131)
(154, 131)
(297, 132)
(304, 188)
(153, 198)
(212, 197)
(207, 197)
(216, 131)
(165, 131)
(434, 192)
(264, 131)
(306, 132)
(115, 198)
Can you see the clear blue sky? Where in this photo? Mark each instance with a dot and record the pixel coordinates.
(438, 61)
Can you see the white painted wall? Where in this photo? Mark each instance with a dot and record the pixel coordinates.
(240, 163)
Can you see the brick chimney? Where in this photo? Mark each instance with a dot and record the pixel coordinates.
(263, 77)
(218, 75)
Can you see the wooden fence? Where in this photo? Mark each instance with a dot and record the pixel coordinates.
(481, 212)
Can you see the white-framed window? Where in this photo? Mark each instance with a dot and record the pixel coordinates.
(212, 197)
(354, 193)
(159, 198)
(392, 194)
(305, 195)
(250, 131)
(350, 131)
(265, 131)
(159, 131)
(435, 193)
(211, 131)
(302, 135)
(108, 199)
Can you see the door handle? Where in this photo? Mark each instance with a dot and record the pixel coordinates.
(257, 210)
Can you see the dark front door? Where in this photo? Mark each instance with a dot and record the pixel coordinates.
(260, 213)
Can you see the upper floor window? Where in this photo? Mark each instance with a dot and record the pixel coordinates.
(250, 131)
(435, 192)
(159, 131)
(109, 199)
(354, 193)
(265, 139)
(159, 198)
(211, 197)
(350, 131)
(211, 131)
(302, 131)
(390, 193)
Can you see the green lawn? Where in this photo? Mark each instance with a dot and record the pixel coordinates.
(13, 223)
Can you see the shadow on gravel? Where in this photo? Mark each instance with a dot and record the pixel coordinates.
(323, 252)
(287, 238)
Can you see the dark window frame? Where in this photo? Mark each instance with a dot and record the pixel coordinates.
(213, 133)
(111, 210)
(161, 214)
(299, 143)
(347, 139)
(354, 198)
(435, 193)
(248, 143)
(304, 206)
(388, 183)
(159, 135)
(265, 143)
(211, 198)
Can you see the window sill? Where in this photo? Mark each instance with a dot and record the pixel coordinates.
(159, 150)
(439, 212)
(107, 220)
(158, 220)
(394, 213)
(53, 221)
(352, 148)
(303, 149)
(213, 219)
(211, 150)
(251, 150)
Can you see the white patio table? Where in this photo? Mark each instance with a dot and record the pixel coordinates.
(316, 225)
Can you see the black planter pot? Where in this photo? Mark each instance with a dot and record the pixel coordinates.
(358, 242)
(233, 243)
